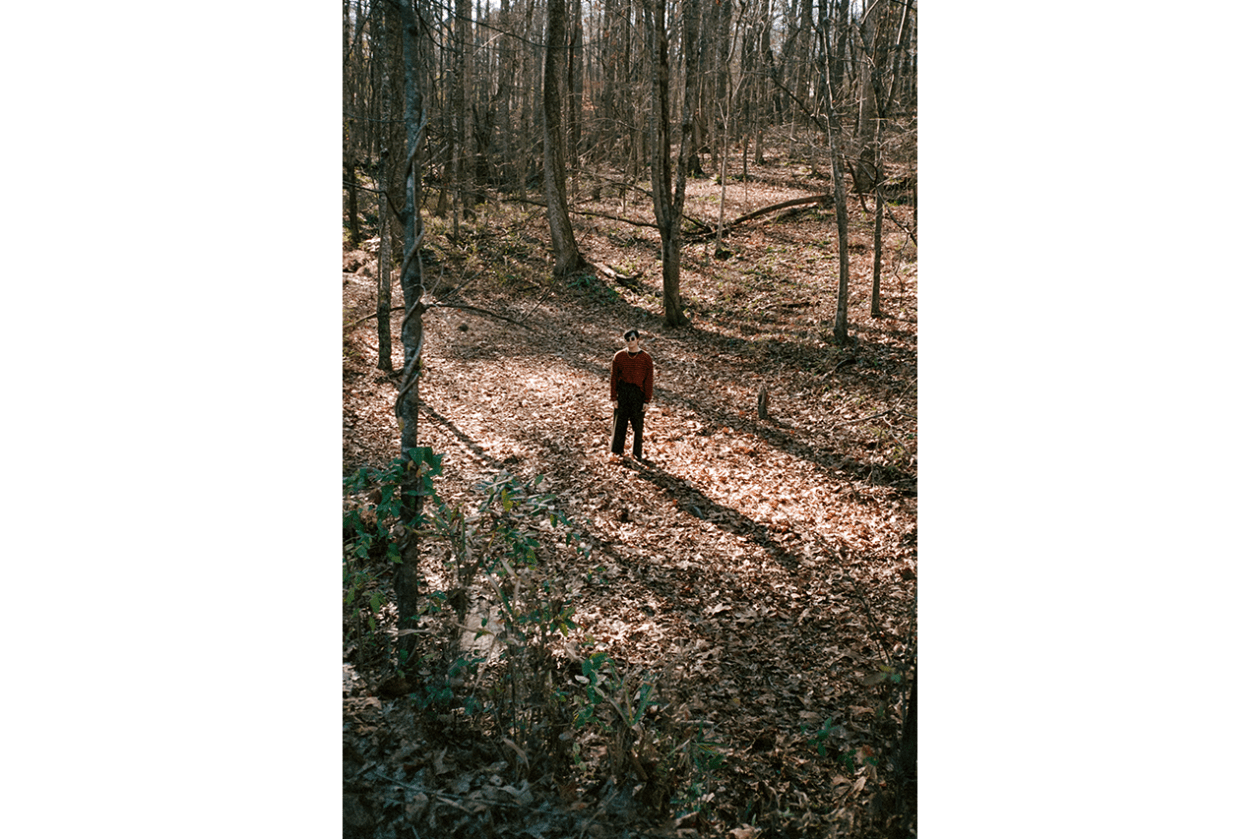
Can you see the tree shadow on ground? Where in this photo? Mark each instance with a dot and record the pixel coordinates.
(695, 502)
(471, 447)
(774, 432)
(865, 360)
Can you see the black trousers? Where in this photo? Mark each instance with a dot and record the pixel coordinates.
(629, 411)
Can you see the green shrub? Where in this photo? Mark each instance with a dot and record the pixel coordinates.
(518, 689)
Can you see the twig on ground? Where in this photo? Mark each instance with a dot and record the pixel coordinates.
(373, 315)
(880, 414)
(450, 797)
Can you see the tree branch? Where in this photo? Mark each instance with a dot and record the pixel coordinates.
(362, 188)
(703, 226)
(881, 414)
(483, 312)
(411, 254)
(373, 315)
(411, 155)
(388, 199)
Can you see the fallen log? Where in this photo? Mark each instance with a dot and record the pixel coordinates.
(823, 199)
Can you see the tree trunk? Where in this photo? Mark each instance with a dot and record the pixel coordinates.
(460, 102)
(384, 280)
(446, 125)
(562, 242)
(574, 85)
(407, 408)
(870, 110)
(502, 104)
(908, 752)
(352, 201)
(840, 327)
(668, 196)
(898, 47)
(864, 171)
(718, 250)
(354, 235)
(384, 284)
(879, 220)
(765, 105)
(879, 250)
(906, 764)
(805, 50)
(671, 270)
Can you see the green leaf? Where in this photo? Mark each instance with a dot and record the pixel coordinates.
(645, 691)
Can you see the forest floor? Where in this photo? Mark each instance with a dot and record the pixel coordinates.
(761, 571)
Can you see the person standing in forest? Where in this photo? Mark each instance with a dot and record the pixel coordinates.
(631, 389)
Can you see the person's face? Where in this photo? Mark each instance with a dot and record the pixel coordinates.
(632, 343)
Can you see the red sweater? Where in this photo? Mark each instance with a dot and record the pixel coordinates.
(635, 369)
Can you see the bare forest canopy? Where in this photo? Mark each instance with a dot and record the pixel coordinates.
(541, 638)
(758, 66)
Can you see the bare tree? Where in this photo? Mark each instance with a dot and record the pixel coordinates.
(757, 58)
(523, 93)
(351, 17)
(879, 220)
(574, 83)
(905, 31)
(563, 245)
(831, 84)
(384, 273)
(668, 193)
(729, 89)
(460, 105)
(384, 257)
(877, 34)
(407, 407)
(878, 40)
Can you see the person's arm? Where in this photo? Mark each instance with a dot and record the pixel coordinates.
(614, 379)
(647, 382)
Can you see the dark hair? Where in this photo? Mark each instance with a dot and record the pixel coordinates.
(629, 333)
